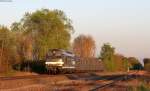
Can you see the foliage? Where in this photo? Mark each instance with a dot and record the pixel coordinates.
(138, 66)
(43, 30)
(134, 63)
(121, 63)
(147, 67)
(146, 64)
(107, 56)
(84, 46)
(37, 66)
(141, 87)
(33, 36)
(117, 62)
(146, 60)
(7, 49)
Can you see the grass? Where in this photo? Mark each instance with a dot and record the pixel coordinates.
(8, 73)
(141, 87)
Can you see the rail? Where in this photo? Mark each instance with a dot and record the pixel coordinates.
(113, 82)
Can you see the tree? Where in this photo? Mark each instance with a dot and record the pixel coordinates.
(7, 49)
(146, 61)
(84, 46)
(134, 63)
(23, 42)
(126, 64)
(121, 63)
(107, 56)
(147, 67)
(146, 64)
(45, 29)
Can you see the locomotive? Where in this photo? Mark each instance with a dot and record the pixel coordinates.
(58, 60)
(62, 61)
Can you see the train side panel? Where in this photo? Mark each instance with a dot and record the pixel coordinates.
(89, 64)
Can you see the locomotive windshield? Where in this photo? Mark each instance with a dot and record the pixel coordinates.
(57, 53)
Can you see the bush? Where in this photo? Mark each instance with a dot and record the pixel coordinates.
(147, 67)
(137, 66)
(31, 66)
(142, 87)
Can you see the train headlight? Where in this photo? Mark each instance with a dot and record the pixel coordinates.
(58, 62)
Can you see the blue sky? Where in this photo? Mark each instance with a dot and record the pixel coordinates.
(123, 23)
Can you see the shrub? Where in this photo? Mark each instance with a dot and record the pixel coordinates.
(31, 66)
(147, 67)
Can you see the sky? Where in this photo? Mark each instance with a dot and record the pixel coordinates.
(125, 24)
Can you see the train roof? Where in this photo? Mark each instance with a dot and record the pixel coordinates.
(63, 52)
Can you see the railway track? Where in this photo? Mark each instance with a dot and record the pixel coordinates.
(115, 80)
(74, 76)
(71, 76)
(24, 77)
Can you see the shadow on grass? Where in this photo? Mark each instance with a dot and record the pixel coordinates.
(92, 76)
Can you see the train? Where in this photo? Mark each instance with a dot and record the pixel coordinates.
(63, 61)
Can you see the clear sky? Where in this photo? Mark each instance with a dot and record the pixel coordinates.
(123, 23)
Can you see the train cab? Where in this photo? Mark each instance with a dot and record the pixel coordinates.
(58, 61)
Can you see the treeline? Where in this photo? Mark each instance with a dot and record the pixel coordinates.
(33, 36)
(27, 42)
(116, 62)
(84, 47)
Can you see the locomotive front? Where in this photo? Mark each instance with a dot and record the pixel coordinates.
(60, 61)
